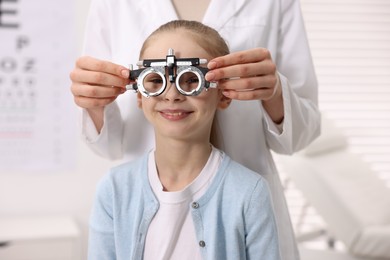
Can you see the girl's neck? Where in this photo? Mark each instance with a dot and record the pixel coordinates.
(179, 163)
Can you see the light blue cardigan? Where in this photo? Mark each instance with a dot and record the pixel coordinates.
(233, 219)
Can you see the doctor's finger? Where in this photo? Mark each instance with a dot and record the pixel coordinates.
(97, 78)
(241, 57)
(254, 94)
(250, 83)
(93, 64)
(264, 67)
(93, 91)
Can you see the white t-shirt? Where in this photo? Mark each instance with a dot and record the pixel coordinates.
(171, 234)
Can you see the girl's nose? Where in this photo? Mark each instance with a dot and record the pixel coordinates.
(171, 93)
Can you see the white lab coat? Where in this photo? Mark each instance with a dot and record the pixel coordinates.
(116, 30)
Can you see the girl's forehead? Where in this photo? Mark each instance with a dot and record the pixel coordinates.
(183, 43)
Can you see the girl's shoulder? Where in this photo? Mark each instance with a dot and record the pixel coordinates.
(126, 175)
(237, 180)
(130, 168)
(237, 172)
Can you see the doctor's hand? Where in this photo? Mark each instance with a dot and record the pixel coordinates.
(97, 83)
(246, 75)
(249, 75)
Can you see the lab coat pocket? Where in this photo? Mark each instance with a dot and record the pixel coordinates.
(246, 32)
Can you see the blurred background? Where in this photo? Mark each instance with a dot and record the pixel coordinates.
(48, 176)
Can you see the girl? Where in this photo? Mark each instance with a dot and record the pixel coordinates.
(185, 199)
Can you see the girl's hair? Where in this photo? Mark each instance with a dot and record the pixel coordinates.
(209, 40)
(207, 37)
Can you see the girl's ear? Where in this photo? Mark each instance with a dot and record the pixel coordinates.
(139, 100)
(224, 102)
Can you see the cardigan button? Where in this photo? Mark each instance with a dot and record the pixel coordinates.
(195, 205)
(202, 243)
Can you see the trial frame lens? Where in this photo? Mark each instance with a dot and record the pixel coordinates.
(151, 81)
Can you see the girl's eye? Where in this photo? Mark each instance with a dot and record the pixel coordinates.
(156, 81)
(193, 80)
(188, 81)
(153, 82)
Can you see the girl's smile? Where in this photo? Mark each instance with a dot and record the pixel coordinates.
(174, 114)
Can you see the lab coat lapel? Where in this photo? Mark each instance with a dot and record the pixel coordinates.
(219, 12)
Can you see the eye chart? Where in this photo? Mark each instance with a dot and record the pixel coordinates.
(37, 115)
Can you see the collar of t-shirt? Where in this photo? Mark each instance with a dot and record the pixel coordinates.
(192, 191)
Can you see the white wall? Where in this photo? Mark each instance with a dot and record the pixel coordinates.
(350, 43)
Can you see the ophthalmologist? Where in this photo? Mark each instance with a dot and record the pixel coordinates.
(271, 80)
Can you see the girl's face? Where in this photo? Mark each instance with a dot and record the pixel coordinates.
(172, 114)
